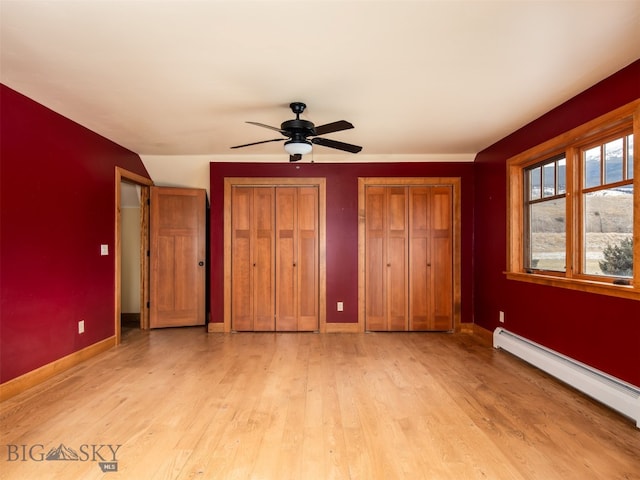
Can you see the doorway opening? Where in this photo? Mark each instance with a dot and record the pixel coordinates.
(131, 226)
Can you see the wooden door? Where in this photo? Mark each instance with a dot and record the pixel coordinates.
(386, 258)
(408, 271)
(282, 219)
(177, 257)
(431, 264)
(297, 259)
(274, 259)
(252, 253)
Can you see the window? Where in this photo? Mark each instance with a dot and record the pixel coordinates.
(572, 221)
(607, 206)
(546, 216)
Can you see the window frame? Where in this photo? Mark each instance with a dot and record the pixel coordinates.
(620, 120)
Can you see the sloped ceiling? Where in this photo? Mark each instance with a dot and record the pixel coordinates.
(433, 80)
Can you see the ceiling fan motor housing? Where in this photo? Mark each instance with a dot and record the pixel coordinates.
(298, 128)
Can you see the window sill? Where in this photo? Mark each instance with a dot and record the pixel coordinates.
(601, 288)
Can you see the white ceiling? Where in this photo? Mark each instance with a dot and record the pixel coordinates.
(439, 80)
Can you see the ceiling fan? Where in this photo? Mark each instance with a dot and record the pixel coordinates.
(298, 133)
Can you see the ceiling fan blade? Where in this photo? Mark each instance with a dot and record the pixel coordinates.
(257, 143)
(347, 147)
(333, 127)
(269, 127)
(295, 158)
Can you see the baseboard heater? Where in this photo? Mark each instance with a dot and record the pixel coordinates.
(615, 393)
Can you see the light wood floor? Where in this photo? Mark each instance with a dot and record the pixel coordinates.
(184, 404)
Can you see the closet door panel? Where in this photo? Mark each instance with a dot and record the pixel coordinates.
(419, 243)
(286, 282)
(241, 259)
(442, 259)
(375, 259)
(376, 300)
(397, 258)
(263, 254)
(308, 259)
(397, 285)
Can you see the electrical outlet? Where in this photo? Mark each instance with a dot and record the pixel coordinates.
(340, 306)
(81, 326)
(501, 316)
(104, 249)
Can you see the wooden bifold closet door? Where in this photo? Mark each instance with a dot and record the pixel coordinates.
(386, 258)
(253, 248)
(408, 258)
(431, 253)
(274, 266)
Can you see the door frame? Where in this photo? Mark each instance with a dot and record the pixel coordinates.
(320, 183)
(123, 175)
(454, 183)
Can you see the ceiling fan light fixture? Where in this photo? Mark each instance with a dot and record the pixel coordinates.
(297, 147)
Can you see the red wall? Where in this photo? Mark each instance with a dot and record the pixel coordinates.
(601, 331)
(342, 223)
(57, 208)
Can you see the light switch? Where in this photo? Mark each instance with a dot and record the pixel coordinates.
(340, 306)
(104, 249)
